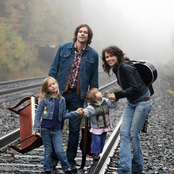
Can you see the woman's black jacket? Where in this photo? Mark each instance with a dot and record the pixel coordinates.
(131, 83)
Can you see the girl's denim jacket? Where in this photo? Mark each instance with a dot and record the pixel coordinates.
(45, 110)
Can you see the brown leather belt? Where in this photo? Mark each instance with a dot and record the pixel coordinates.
(71, 90)
(135, 101)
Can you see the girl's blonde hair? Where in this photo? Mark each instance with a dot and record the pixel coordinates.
(90, 95)
(44, 87)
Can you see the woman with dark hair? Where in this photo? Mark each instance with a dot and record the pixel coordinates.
(136, 109)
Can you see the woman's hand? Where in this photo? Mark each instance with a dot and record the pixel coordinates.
(111, 97)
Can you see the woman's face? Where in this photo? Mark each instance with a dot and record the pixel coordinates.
(110, 60)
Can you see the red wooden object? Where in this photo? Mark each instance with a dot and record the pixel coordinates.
(27, 140)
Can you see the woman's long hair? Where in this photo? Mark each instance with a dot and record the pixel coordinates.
(44, 87)
(113, 51)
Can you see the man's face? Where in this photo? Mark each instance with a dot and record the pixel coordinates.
(82, 35)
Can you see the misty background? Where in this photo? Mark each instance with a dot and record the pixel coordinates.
(143, 29)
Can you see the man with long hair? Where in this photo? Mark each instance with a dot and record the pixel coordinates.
(75, 67)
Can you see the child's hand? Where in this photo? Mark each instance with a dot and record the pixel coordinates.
(111, 97)
(80, 111)
(35, 133)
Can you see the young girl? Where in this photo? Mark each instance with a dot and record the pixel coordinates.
(52, 109)
(98, 111)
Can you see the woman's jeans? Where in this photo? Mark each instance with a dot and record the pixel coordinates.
(53, 138)
(134, 117)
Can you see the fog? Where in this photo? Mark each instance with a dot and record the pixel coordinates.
(143, 29)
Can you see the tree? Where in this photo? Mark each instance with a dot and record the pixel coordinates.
(12, 50)
(26, 24)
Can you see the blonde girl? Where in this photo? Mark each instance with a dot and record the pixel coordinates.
(52, 109)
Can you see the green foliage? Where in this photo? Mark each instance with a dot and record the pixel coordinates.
(4, 8)
(14, 57)
(26, 24)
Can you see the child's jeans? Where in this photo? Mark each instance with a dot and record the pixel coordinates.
(98, 142)
(53, 137)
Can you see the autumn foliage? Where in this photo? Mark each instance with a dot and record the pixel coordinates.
(26, 24)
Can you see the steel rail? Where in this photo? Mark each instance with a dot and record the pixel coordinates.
(21, 80)
(10, 137)
(96, 167)
(106, 86)
(17, 89)
(27, 79)
(8, 91)
(108, 150)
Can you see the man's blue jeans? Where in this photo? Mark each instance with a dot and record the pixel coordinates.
(134, 117)
(53, 138)
(73, 102)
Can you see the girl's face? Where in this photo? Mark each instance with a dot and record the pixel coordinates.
(52, 86)
(111, 60)
(98, 95)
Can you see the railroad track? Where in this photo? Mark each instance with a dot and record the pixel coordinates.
(12, 92)
(32, 162)
(4, 140)
(157, 143)
(8, 87)
(12, 86)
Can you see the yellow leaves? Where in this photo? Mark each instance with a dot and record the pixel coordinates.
(170, 91)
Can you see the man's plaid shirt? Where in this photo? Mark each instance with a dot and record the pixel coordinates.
(75, 67)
